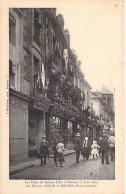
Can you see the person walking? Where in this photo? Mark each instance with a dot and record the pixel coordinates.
(60, 149)
(99, 146)
(55, 142)
(95, 149)
(104, 145)
(77, 146)
(43, 150)
(86, 148)
(111, 141)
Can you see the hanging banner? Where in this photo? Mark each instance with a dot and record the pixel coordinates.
(65, 56)
(43, 75)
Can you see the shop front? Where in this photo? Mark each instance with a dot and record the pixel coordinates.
(54, 127)
(36, 130)
(62, 124)
(90, 131)
(37, 123)
(98, 131)
(18, 124)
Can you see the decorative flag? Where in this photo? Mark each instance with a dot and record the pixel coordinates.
(65, 56)
(43, 75)
(14, 67)
(39, 83)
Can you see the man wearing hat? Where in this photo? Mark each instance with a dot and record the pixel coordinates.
(43, 150)
(77, 146)
(111, 141)
(104, 145)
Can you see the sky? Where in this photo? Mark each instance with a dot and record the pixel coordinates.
(96, 33)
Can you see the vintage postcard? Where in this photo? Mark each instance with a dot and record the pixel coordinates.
(62, 110)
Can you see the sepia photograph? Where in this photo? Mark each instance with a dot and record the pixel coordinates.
(59, 126)
(63, 109)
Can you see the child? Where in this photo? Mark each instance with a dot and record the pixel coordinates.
(60, 150)
(94, 150)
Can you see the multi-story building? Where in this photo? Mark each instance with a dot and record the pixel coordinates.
(108, 98)
(87, 107)
(102, 111)
(19, 88)
(44, 98)
(83, 90)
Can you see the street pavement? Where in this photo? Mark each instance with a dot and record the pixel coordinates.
(86, 169)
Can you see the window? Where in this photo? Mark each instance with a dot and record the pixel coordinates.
(87, 98)
(109, 101)
(36, 25)
(103, 99)
(36, 65)
(36, 69)
(12, 30)
(55, 122)
(11, 75)
(37, 79)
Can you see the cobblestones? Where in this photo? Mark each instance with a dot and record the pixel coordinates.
(86, 169)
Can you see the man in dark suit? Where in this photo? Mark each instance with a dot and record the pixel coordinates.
(77, 146)
(55, 142)
(43, 150)
(104, 146)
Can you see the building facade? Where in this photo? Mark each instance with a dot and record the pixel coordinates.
(102, 111)
(108, 98)
(48, 92)
(19, 90)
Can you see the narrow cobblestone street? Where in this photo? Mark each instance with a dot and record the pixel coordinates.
(86, 169)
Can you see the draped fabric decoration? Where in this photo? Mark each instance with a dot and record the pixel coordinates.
(74, 81)
(46, 82)
(43, 75)
(65, 56)
(39, 82)
(14, 66)
(54, 69)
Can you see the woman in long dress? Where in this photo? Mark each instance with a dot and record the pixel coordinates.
(86, 148)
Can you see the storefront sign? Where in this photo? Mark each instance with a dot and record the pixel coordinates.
(64, 112)
(41, 103)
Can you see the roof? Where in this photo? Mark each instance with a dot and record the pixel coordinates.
(104, 90)
(87, 84)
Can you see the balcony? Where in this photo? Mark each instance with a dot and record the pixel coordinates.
(39, 99)
(63, 108)
(40, 103)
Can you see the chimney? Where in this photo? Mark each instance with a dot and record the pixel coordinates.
(60, 21)
(67, 36)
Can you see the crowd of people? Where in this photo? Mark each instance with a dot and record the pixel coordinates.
(102, 147)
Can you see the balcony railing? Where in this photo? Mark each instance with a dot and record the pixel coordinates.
(64, 108)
